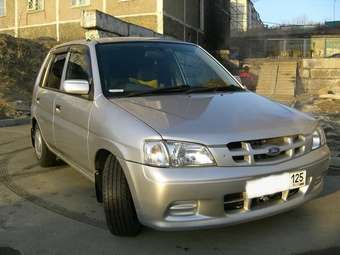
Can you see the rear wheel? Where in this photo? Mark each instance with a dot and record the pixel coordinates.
(45, 157)
(121, 217)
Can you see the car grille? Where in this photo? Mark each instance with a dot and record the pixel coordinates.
(266, 151)
(237, 202)
(233, 202)
(266, 200)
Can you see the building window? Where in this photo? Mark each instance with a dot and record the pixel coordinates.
(80, 2)
(35, 5)
(2, 8)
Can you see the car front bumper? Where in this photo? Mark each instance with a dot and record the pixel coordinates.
(156, 190)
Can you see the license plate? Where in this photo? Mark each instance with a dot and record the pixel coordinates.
(276, 183)
(297, 179)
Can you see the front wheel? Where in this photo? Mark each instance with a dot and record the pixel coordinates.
(121, 217)
(45, 157)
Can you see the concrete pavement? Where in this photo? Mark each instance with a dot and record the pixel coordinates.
(54, 211)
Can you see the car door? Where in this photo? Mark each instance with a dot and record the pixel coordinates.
(48, 88)
(72, 111)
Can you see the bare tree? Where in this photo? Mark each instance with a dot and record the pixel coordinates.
(300, 20)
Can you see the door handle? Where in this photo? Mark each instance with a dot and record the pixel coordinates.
(58, 108)
(38, 100)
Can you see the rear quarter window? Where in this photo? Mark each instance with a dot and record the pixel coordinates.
(55, 72)
(44, 71)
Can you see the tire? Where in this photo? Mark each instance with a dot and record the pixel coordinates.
(45, 157)
(121, 217)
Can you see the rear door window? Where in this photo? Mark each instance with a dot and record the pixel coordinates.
(54, 77)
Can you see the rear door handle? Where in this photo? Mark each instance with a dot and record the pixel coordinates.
(58, 108)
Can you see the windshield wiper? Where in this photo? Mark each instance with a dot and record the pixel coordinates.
(187, 89)
(181, 88)
(229, 88)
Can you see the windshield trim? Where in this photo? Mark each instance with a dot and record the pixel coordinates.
(124, 94)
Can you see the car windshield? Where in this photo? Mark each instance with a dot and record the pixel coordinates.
(147, 68)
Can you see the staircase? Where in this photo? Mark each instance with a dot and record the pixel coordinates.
(277, 80)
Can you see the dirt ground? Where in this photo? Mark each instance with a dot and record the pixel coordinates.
(328, 112)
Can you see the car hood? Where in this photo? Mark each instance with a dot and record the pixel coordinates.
(216, 119)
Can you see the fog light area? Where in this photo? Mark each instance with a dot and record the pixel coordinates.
(183, 208)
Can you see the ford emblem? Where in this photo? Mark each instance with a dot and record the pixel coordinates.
(273, 151)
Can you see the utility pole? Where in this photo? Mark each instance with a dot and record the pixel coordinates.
(16, 18)
(334, 6)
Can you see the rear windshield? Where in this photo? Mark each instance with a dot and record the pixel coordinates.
(145, 66)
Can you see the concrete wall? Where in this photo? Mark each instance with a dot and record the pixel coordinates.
(318, 76)
(36, 32)
(173, 28)
(300, 47)
(98, 23)
(138, 12)
(193, 13)
(147, 21)
(174, 8)
(69, 12)
(8, 20)
(325, 46)
(129, 8)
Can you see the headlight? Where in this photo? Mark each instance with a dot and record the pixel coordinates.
(319, 138)
(176, 154)
(155, 154)
(189, 154)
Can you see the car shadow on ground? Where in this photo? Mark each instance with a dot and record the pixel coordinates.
(328, 251)
(9, 251)
(332, 183)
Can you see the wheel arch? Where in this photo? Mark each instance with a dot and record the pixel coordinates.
(34, 123)
(99, 163)
(101, 156)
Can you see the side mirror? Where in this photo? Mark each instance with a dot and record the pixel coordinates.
(77, 87)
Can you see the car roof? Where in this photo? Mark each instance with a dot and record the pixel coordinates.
(119, 39)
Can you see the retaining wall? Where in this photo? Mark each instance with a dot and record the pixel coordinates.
(320, 76)
(314, 76)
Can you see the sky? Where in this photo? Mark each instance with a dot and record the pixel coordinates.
(283, 11)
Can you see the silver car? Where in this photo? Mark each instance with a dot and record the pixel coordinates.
(170, 139)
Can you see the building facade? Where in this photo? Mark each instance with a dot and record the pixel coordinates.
(244, 17)
(60, 19)
(186, 20)
(303, 41)
(217, 25)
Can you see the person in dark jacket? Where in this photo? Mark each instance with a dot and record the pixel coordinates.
(248, 79)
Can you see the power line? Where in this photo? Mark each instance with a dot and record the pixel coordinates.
(271, 23)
